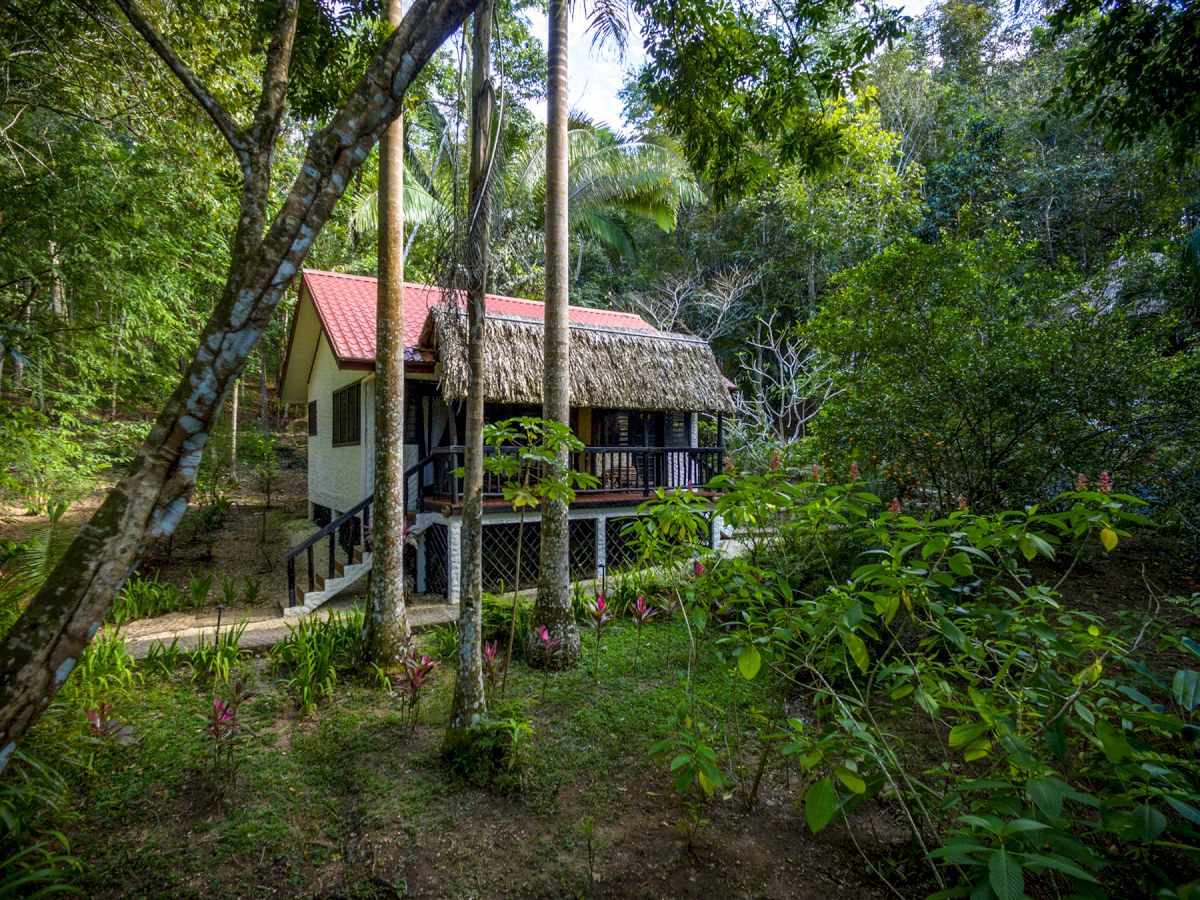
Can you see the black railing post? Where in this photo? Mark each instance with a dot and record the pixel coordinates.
(292, 581)
(332, 551)
(312, 569)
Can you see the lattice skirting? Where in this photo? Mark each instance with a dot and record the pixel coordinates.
(500, 553)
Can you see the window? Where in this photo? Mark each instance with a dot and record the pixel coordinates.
(346, 418)
(312, 418)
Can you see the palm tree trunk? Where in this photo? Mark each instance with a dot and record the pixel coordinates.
(552, 609)
(385, 627)
(470, 703)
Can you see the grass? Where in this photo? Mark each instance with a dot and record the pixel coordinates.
(317, 795)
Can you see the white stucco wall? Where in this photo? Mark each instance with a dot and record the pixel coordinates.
(335, 474)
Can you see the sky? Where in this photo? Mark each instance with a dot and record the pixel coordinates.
(596, 74)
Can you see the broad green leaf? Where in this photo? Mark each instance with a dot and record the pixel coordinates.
(820, 804)
(858, 650)
(1186, 688)
(850, 779)
(1057, 863)
(749, 662)
(1148, 822)
(1005, 876)
(1048, 795)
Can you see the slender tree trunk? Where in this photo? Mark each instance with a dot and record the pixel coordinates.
(553, 607)
(264, 412)
(385, 628)
(43, 646)
(470, 702)
(233, 432)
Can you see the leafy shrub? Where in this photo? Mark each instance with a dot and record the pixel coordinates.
(313, 653)
(494, 757)
(215, 658)
(105, 668)
(41, 461)
(142, 598)
(443, 641)
(967, 372)
(1072, 760)
(24, 565)
(32, 865)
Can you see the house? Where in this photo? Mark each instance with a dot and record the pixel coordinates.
(637, 397)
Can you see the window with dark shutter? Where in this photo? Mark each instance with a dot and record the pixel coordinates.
(312, 418)
(677, 429)
(346, 418)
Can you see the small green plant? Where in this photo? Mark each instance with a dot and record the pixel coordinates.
(686, 750)
(225, 735)
(495, 756)
(143, 598)
(199, 586)
(313, 653)
(229, 591)
(443, 641)
(251, 589)
(33, 866)
(105, 668)
(215, 658)
(164, 660)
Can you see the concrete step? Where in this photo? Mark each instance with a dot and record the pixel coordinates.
(327, 589)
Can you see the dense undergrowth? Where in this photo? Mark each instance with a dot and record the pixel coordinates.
(879, 660)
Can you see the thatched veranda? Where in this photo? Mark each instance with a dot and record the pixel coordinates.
(610, 367)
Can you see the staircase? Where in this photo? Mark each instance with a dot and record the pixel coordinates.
(337, 575)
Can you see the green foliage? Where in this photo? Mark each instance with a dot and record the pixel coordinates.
(314, 652)
(526, 455)
(42, 462)
(142, 598)
(216, 658)
(24, 565)
(495, 755)
(443, 641)
(31, 864)
(105, 669)
(965, 373)
(1072, 752)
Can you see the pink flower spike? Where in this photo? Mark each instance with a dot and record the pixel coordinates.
(1105, 483)
(489, 649)
(854, 471)
(816, 472)
(962, 502)
(699, 569)
(1081, 482)
(894, 506)
(600, 604)
(544, 635)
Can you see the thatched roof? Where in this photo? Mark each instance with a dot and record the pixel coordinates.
(610, 367)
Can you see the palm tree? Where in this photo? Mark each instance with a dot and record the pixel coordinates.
(552, 609)
(613, 179)
(385, 626)
(470, 702)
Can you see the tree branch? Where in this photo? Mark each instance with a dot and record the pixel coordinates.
(190, 80)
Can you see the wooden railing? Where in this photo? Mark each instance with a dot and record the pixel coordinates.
(618, 469)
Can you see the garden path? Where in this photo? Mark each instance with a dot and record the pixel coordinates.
(264, 627)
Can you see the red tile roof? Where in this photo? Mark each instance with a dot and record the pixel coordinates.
(346, 307)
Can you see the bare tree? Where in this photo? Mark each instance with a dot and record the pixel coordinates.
(784, 383)
(43, 645)
(707, 308)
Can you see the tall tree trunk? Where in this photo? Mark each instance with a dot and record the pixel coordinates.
(44, 644)
(385, 627)
(470, 703)
(553, 607)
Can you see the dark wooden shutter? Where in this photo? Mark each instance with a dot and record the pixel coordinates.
(312, 418)
(347, 423)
